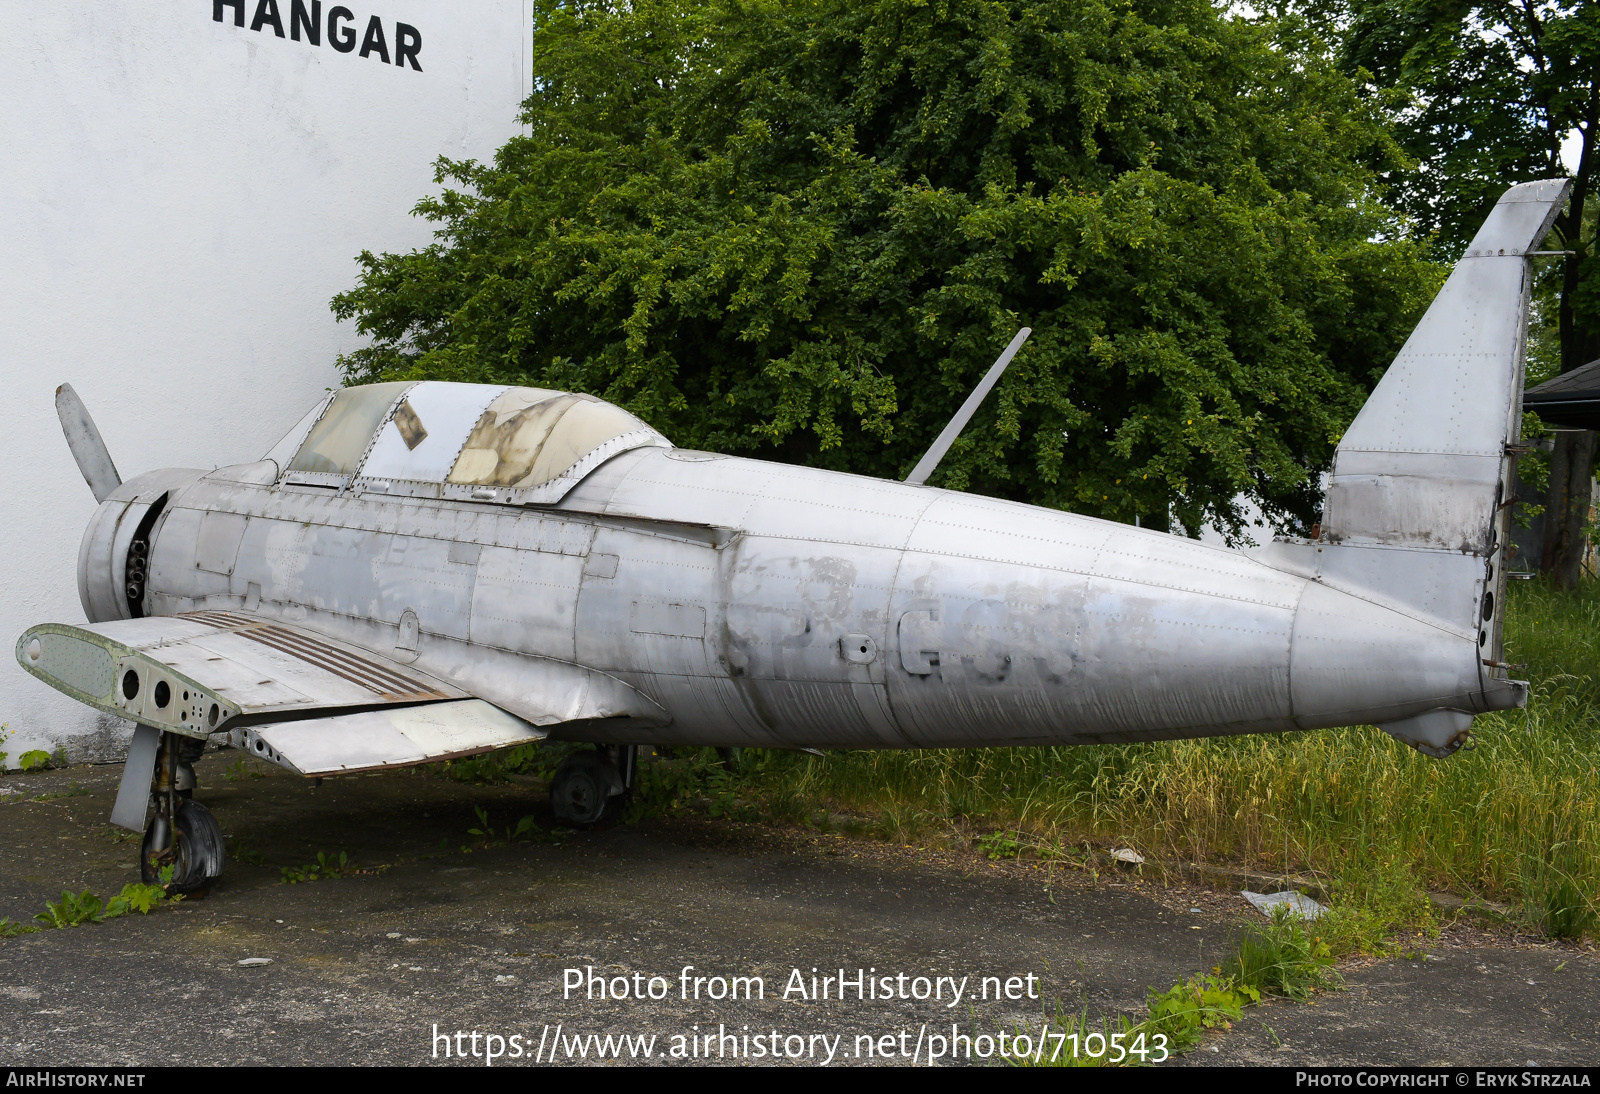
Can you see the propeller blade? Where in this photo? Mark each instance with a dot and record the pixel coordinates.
(88, 448)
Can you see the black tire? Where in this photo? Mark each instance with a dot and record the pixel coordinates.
(197, 857)
(585, 789)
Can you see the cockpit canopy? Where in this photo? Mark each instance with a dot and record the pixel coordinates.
(522, 445)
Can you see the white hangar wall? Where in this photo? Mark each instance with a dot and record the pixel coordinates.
(181, 193)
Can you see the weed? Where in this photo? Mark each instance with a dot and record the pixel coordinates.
(71, 910)
(497, 767)
(1553, 897)
(325, 868)
(527, 829)
(725, 791)
(73, 790)
(76, 909)
(9, 929)
(239, 770)
(34, 759)
(137, 898)
(999, 845)
(1282, 958)
(789, 805)
(1185, 1011)
(899, 822)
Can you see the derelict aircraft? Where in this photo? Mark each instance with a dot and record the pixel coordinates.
(420, 571)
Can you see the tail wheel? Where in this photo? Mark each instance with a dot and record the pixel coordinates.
(195, 852)
(586, 790)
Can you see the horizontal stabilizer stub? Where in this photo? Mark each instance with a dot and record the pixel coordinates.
(391, 737)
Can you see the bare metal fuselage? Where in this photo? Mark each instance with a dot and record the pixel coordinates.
(768, 605)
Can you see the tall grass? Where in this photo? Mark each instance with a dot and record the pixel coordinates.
(1516, 820)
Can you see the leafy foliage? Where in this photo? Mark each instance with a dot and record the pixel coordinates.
(1488, 93)
(76, 909)
(240, 770)
(325, 868)
(34, 759)
(1282, 958)
(1185, 1011)
(1492, 91)
(72, 910)
(999, 845)
(1279, 958)
(498, 767)
(527, 829)
(803, 228)
(137, 898)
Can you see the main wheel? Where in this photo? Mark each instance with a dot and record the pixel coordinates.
(196, 856)
(586, 789)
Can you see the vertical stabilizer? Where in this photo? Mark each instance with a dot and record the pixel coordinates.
(1424, 464)
(1418, 505)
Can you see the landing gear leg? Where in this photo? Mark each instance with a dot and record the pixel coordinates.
(182, 849)
(626, 759)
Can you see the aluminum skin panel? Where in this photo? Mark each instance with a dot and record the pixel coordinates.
(103, 553)
(1358, 662)
(766, 499)
(1444, 587)
(133, 790)
(197, 674)
(217, 541)
(1021, 655)
(527, 601)
(353, 572)
(100, 568)
(793, 605)
(396, 737)
(656, 620)
(1424, 462)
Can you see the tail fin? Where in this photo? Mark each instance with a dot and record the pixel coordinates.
(1424, 464)
(1417, 506)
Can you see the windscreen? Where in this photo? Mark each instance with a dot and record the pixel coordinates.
(337, 442)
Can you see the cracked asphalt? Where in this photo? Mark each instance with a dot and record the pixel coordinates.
(438, 933)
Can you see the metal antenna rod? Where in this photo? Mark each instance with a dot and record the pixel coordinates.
(930, 460)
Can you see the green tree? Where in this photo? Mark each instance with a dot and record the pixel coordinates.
(1492, 91)
(801, 229)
